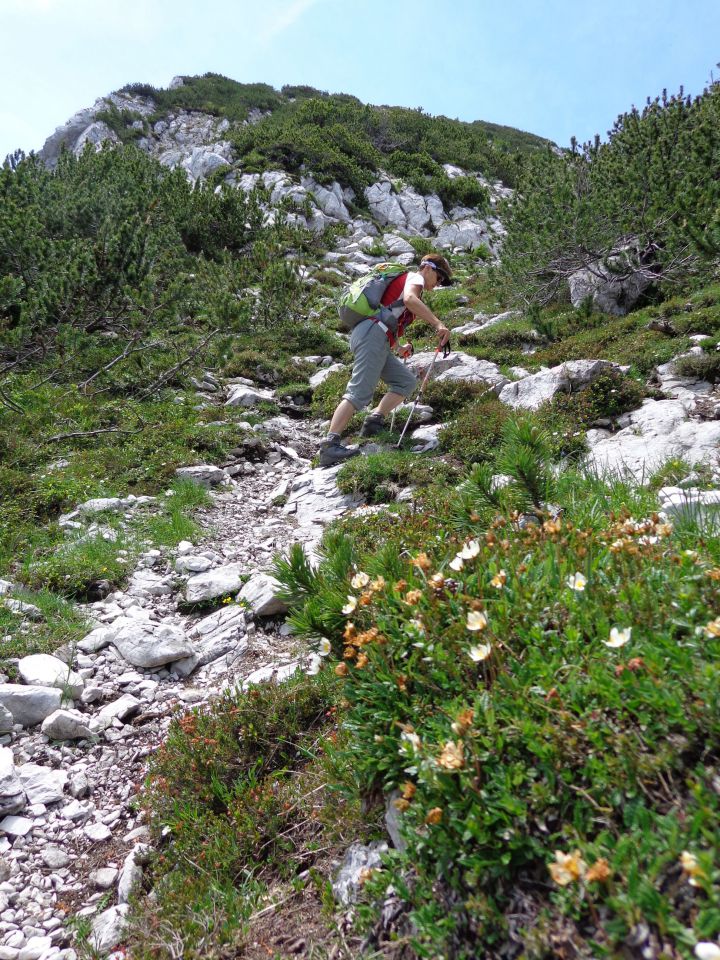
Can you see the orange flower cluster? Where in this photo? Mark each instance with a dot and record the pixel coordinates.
(570, 867)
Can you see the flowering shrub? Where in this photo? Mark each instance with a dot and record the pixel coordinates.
(544, 700)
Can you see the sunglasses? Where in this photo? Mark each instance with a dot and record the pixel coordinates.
(438, 270)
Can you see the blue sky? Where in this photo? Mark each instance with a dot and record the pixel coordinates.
(552, 67)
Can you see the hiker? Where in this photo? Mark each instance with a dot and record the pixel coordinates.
(372, 341)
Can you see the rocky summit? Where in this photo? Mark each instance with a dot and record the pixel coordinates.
(454, 696)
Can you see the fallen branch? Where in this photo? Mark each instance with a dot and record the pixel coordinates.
(94, 433)
(169, 374)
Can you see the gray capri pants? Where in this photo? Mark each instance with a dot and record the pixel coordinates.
(374, 361)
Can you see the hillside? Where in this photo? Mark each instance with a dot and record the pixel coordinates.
(457, 699)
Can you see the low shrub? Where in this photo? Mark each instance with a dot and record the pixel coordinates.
(703, 366)
(473, 437)
(450, 397)
(379, 477)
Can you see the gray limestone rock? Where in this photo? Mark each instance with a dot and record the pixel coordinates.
(66, 725)
(12, 794)
(108, 928)
(348, 881)
(219, 633)
(214, 583)
(531, 392)
(615, 285)
(146, 644)
(260, 593)
(204, 475)
(43, 670)
(42, 784)
(29, 705)
(242, 396)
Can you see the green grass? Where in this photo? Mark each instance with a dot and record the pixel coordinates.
(61, 624)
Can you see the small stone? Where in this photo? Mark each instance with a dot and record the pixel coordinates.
(105, 877)
(54, 857)
(16, 826)
(95, 832)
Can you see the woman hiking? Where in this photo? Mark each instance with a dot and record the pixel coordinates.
(372, 342)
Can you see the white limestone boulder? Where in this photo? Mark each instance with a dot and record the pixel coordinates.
(42, 784)
(260, 594)
(147, 644)
(43, 670)
(658, 431)
(205, 475)
(219, 633)
(214, 583)
(66, 725)
(242, 396)
(321, 376)
(532, 392)
(29, 705)
(12, 794)
(108, 928)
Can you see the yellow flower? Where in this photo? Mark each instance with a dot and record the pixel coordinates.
(434, 816)
(498, 581)
(713, 628)
(413, 596)
(691, 867)
(377, 585)
(618, 638)
(452, 756)
(481, 652)
(476, 620)
(577, 582)
(359, 581)
(422, 561)
(567, 867)
(457, 564)
(350, 605)
(470, 550)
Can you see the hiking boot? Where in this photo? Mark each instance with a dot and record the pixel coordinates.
(332, 452)
(373, 424)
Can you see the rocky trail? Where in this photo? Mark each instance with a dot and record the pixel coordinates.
(84, 721)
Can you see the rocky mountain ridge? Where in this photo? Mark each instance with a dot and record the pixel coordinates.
(193, 141)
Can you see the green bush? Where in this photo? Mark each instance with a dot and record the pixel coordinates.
(474, 435)
(379, 477)
(450, 397)
(705, 366)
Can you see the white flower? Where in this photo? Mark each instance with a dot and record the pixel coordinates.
(417, 625)
(618, 638)
(704, 950)
(577, 582)
(314, 662)
(359, 581)
(481, 652)
(476, 620)
(457, 564)
(324, 647)
(470, 550)
(409, 739)
(350, 605)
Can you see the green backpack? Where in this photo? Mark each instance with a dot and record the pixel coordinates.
(361, 299)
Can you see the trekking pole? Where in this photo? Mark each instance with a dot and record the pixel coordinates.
(446, 350)
(405, 360)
